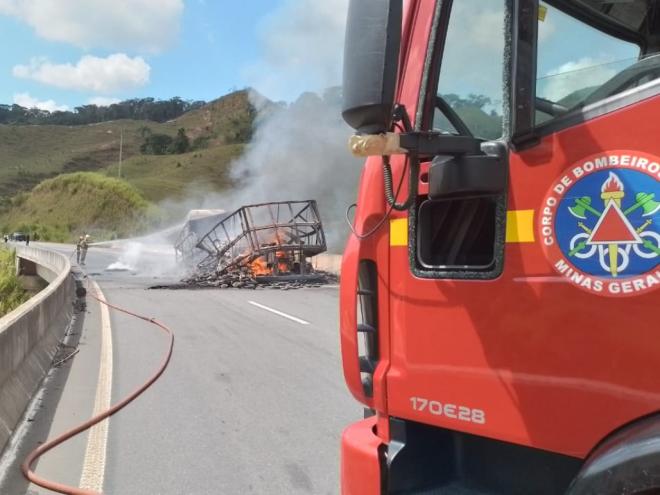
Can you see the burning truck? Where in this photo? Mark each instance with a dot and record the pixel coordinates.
(266, 243)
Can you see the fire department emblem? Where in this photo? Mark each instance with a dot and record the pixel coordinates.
(599, 224)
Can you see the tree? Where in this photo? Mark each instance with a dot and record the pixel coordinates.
(180, 144)
(156, 144)
(136, 108)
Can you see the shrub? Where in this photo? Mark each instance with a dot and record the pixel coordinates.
(12, 294)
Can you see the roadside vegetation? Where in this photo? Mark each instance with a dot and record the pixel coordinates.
(12, 294)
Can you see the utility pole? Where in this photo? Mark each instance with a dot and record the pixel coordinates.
(121, 149)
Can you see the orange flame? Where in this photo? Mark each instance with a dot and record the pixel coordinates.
(260, 267)
(282, 262)
(612, 184)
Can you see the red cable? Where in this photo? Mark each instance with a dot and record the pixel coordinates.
(42, 449)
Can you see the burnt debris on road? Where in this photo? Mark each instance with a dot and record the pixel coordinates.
(261, 245)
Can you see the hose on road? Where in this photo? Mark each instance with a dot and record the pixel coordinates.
(26, 467)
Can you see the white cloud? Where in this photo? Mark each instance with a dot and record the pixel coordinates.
(575, 75)
(136, 25)
(27, 101)
(103, 101)
(112, 74)
(301, 48)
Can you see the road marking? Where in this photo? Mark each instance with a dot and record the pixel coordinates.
(93, 471)
(284, 315)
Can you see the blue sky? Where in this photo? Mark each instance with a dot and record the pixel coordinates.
(65, 53)
(58, 54)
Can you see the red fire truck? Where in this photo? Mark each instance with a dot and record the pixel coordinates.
(499, 294)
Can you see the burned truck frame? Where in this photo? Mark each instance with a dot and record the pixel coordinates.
(195, 226)
(266, 239)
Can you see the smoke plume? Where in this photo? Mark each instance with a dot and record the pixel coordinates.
(299, 151)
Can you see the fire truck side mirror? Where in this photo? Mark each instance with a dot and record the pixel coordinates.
(371, 56)
(467, 176)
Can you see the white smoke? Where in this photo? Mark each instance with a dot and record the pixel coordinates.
(300, 151)
(148, 256)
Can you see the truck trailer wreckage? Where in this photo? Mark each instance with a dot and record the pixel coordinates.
(265, 243)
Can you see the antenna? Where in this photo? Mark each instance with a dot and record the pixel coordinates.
(121, 149)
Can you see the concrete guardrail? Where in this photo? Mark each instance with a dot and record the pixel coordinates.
(29, 335)
(327, 262)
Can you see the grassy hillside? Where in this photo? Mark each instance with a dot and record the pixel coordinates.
(170, 176)
(64, 207)
(32, 153)
(227, 120)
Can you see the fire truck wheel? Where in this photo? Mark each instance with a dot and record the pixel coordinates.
(627, 462)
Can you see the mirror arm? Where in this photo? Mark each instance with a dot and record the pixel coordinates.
(434, 143)
(400, 114)
(418, 142)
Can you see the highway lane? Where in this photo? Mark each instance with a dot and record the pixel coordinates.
(252, 402)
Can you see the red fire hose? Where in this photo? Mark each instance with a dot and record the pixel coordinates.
(41, 450)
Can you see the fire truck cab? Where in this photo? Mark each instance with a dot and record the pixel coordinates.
(499, 295)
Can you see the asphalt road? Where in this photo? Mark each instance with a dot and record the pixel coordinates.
(253, 400)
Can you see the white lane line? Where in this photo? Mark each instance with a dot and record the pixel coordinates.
(93, 472)
(284, 315)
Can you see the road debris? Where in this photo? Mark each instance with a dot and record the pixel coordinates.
(261, 245)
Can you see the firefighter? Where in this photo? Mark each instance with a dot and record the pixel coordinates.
(83, 249)
(79, 244)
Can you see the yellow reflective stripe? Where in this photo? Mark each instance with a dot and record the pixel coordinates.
(520, 226)
(399, 232)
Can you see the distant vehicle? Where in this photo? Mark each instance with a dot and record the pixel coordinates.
(18, 237)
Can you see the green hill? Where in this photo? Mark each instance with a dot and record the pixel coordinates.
(46, 184)
(32, 153)
(158, 177)
(64, 207)
(227, 120)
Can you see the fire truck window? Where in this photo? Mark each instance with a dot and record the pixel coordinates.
(473, 90)
(578, 64)
(457, 234)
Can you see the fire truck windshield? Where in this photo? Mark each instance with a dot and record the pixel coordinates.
(585, 54)
(591, 53)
